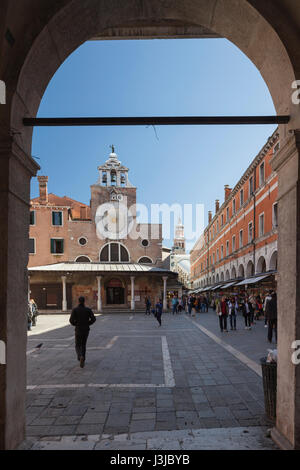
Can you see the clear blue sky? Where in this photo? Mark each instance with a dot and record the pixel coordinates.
(182, 164)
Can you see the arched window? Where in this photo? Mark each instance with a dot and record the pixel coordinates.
(82, 259)
(114, 253)
(145, 260)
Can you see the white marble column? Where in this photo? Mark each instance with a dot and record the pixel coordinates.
(165, 293)
(64, 300)
(100, 177)
(99, 302)
(132, 293)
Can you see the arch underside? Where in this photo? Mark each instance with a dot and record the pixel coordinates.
(80, 21)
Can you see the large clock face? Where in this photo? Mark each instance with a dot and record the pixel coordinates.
(113, 220)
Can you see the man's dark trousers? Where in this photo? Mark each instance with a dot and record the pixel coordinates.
(81, 336)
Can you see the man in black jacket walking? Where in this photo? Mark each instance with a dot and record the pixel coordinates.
(81, 317)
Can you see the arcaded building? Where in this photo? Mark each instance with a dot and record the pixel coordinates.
(99, 251)
(240, 240)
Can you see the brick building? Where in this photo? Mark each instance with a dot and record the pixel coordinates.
(99, 251)
(240, 240)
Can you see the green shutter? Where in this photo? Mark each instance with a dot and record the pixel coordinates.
(62, 246)
(52, 245)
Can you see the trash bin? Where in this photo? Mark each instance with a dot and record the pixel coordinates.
(269, 376)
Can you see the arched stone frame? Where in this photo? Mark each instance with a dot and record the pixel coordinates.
(243, 23)
(273, 261)
(261, 266)
(82, 256)
(213, 279)
(109, 252)
(217, 278)
(148, 257)
(222, 276)
(250, 271)
(241, 271)
(227, 275)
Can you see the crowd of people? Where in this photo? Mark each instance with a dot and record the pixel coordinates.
(227, 307)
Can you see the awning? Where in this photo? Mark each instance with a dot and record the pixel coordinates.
(217, 287)
(229, 284)
(253, 280)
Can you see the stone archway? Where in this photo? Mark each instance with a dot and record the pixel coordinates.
(269, 38)
(250, 269)
(241, 271)
(273, 262)
(261, 266)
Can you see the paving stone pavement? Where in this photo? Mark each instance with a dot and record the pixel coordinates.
(139, 378)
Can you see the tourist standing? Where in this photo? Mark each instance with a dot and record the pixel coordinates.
(82, 318)
(232, 314)
(247, 312)
(148, 306)
(271, 313)
(267, 299)
(222, 312)
(34, 311)
(174, 304)
(158, 311)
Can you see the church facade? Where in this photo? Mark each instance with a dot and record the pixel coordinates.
(99, 251)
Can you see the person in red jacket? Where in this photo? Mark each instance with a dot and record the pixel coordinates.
(223, 315)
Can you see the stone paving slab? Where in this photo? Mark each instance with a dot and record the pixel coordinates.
(141, 378)
(236, 438)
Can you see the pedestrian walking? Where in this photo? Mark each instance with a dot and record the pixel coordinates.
(148, 306)
(271, 313)
(82, 318)
(158, 311)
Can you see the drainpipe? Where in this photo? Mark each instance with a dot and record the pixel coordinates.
(254, 220)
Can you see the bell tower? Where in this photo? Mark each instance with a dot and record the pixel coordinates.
(179, 239)
(113, 184)
(112, 173)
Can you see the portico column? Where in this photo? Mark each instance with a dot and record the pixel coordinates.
(165, 292)
(286, 163)
(64, 300)
(99, 302)
(118, 178)
(17, 168)
(100, 177)
(132, 293)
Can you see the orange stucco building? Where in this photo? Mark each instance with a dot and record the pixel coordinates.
(240, 240)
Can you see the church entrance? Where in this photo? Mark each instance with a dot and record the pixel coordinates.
(115, 292)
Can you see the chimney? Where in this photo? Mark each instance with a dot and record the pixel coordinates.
(217, 205)
(209, 216)
(43, 183)
(227, 191)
